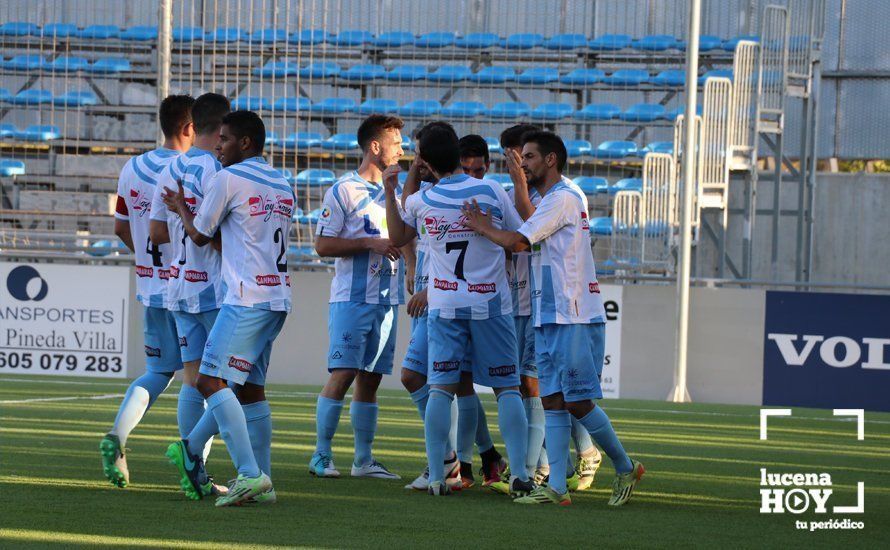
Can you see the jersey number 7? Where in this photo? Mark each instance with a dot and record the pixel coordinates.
(459, 265)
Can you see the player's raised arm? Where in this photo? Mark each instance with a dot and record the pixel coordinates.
(520, 184)
(175, 202)
(480, 222)
(400, 233)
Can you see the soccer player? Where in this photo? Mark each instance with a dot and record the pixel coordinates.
(365, 294)
(469, 308)
(568, 315)
(195, 290)
(135, 188)
(589, 457)
(251, 204)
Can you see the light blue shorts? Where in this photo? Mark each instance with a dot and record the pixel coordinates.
(193, 329)
(362, 336)
(525, 346)
(240, 344)
(161, 343)
(416, 356)
(570, 360)
(485, 347)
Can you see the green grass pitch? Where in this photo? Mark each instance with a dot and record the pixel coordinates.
(701, 489)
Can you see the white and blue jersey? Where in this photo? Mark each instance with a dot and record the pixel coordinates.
(519, 269)
(355, 208)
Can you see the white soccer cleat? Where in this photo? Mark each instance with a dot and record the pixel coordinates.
(243, 488)
(373, 469)
(422, 482)
(322, 465)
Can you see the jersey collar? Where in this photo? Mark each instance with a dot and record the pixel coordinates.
(457, 178)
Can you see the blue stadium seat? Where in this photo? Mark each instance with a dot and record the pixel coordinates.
(26, 63)
(478, 40)
(706, 43)
(4, 94)
(340, 142)
(37, 132)
(583, 77)
(435, 40)
(677, 111)
(552, 111)
(250, 103)
(293, 104)
(10, 167)
(277, 69)
(378, 106)
(141, 33)
(31, 97)
(76, 99)
(493, 75)
(615, 150)
(267, 36)
(500, 177)
(420, 107)
(509, 109)
(226, 34)
(364, 72)
(729, 45)
(464, 109)
(8, 130)
(302, 140)
(626, 184)
(407, 144)
(320, 69)
(105, 247)
(67, 64)
(351, 38)
(301, 251)
(407, 73)
(627, 77)
(714, 73)
(598, 111)
(273, 139)
(563, 42)
(610, 42)
(334, 105)
(494, 145)
(523, 41)
(187, 34)
(57, 30)
(660, 147)
(18, 28)
(578, 147)
(670, 77)
(592, 185)
(108, 65)
(310, 37)
(450, 73)
(403, 177)
(643, 112)
(310, 218)
(394, 39)
(655, 43)
(601, 226)
(538, 75)
(99, 32)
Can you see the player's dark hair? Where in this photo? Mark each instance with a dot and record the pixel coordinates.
(175, 112)
(474, 145)
(512, 136)
(373, 127)
(547, 143)
(428, 125)
(440, 148)
(247, 123)
(208, 112)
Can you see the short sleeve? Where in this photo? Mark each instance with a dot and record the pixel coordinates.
(215, 206)
(333, 214)
(409, 213)
(121, 210)
(550, 216)
(512, 220)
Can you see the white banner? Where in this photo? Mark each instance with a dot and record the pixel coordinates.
(611, 381)
(64, 319)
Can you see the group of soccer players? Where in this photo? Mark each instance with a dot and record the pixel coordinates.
(503, 294)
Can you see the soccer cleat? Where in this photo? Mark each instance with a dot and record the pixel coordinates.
(541, 474)
(439, 489)
(493, 471)
(466, 475)
(209, 488)
(421, 482)
(268, 497)
(242, 488)
(573, 482)
(624, 484)
(114, 463)
(322, 465)
(545, 495)
(192, 479)
(519, 488)
(452, 474)
(373, 469)
(587, 466)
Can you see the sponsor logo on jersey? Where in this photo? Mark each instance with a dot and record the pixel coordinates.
(585, 223)
(193, 276)
(267, 206)
(287, 280)
(152, 352)
(240, 364)
(174, 272)
(164, 274)
(446, 366)
(439, 226)
(594, 288)
(192, 203)
(139, 202)
(503, 370)
(482, 288)
(144, 271)
(207, 365)
(183, 343)
(336, 355)
(377, 269)
(445, 285)
(518, 285)
(369, 226)
(268, 280)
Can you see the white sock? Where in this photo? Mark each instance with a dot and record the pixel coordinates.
(132, 409)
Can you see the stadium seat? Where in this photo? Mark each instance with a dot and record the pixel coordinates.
(57, 30)
(509, 109)
(76, 99)
(583, 77)
(420, 107)
(26, 63)
(563, 42)
(464, 109)
(677, 111)
(627, 77)
(523, 41)
(610, 42)
(106, 247)
(310, 37)
(643, 112)
(310, 218)
(334, 105)
(8, 130)
(500, 177)
(666, 147)
(364, 72)
(67, 64)
(477, 40)
(109, 65)
(277, 69)
(226, 34)
(407, 144)
(615, 150)
(31, 97)
(187, 34)
(301, 251)
(655, 43)
(601, 226)
(729, 45)
(403, 177)
(4, 94)
(538, 75)
(578, 147)
(267, 36)
(10, 167)
(552, 111)
(18, 28)
(435, 40)
(450, 73)
(316, 177)
(250, 103)
(407, 73)
(302, 140)
(670, 77)
(142, 33)
(351, 38)
(494, 145)
(37, 132)
(99, 32)
(320, 69)
(273, 139)
(592, 185)
(706, 43)
(493, 75)
(714, 73)
(378, 106)
(626, 184)
(394, 39)
(340, 142)
(598, 111)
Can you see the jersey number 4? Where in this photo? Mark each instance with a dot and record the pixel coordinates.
(459, 265)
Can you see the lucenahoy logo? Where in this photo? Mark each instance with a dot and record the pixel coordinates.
(22, 286)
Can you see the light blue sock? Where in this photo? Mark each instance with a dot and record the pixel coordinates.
(364, 426)
(259, 427)
(514, 429)
(420, 398)
(467, 417)
(544, 460)
(189, 409)
(437, 424)
(581, 437)
(233, 429)
(154, 383)
(559, 427)
(327, 416)
(205, 429)
(534, 413)
(597, 423)
(483, 436)
(451, 444)
(139, 397)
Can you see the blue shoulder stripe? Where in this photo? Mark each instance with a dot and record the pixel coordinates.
(496, 211)
(466, 192)
(256, 179)
(141, 175)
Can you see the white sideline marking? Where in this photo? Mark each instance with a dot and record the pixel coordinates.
(70, 398)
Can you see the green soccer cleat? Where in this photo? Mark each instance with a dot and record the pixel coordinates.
(573, 482)
(114, 463)
(500, 484)
(195, 485)
(243, 488)
(545, 495)
(587, 466)
(623, 486)
(269, 497)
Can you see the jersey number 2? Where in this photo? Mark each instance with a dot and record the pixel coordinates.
(281, 260)
(459, 265)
